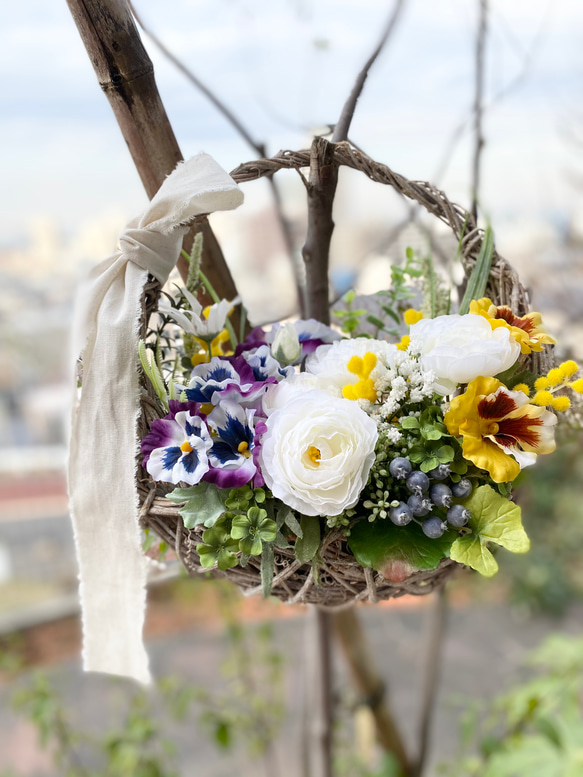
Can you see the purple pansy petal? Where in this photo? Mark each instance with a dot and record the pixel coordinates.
(231, 478)
(254, 339)
(252, 399)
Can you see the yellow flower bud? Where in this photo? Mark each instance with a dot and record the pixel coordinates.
(412, 316)
(577, 386)
(542, 398)
(404, 344)
(542, 383)
(522, 387)
(561, 403)
(568, 368)
(555, 377)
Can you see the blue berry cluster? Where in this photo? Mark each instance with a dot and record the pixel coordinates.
(429, 492)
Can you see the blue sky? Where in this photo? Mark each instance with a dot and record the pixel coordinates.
(285, 66)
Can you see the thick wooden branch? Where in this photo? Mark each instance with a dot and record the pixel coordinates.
(369, 684)
(126, 75)
(316, 251)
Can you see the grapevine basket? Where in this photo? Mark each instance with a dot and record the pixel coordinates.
(341, 580)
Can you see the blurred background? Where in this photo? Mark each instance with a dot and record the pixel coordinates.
(284, 67)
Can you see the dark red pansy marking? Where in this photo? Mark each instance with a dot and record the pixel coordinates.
(526, 323)
(496, 406)
(513, 430)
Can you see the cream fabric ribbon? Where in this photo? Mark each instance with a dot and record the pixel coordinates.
(103, 445)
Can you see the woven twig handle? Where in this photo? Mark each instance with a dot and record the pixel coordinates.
(504, 287)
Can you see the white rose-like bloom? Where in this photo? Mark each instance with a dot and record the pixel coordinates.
(279, 394)
(460, 348)
(317, 452)
(330, 362)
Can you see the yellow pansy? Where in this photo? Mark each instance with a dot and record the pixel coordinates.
(501, 430)
(527, 330)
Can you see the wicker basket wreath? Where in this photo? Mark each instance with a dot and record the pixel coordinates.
(341, 580)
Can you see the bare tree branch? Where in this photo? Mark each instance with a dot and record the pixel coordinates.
(369, 683)
(479, 105)
(437, 629)
(502, 94)
(316, 251)
(343, 125)
(258, 148)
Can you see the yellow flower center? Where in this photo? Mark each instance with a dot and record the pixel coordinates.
(186, 447)
(243, 448)
(314, 455)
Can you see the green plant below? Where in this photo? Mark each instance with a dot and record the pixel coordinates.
(246, 714)
(536, 728)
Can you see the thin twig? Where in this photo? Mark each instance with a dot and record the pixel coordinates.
(502, 94)
(343, 125)
(257, 146)
(479, 105)
(431, 679)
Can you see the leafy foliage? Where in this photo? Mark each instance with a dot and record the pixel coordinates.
(376, 544)
(536, 728)
(494, 519)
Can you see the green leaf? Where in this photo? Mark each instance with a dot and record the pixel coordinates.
(307, 546)
(431, 432)
(375, 544)
(497, 520)
(390, 312)
(417, 454)
(494, 519)
(267, 530)
(428, 464)
(470, 551)
(217, 547)
(280, 541)
(250, 545)
(293, 524)
(240, 527)
(445, 454)
(410, 422)
(203, 504)
(478, 280)
(267, 569)
(226, 559)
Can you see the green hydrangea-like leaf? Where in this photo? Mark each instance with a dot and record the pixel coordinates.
(494, 519)
(202, 504)
(376, 544)
(252, 530)
(217, 547)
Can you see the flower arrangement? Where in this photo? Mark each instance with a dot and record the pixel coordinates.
(405, 449)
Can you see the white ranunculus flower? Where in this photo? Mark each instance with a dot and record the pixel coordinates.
(330, 362)
(460, 348)
(279, 394)
(317, 452)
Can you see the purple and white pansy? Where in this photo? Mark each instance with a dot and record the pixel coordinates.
(264, 365)
(235, 447)
(177, 448)
(215, 377)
